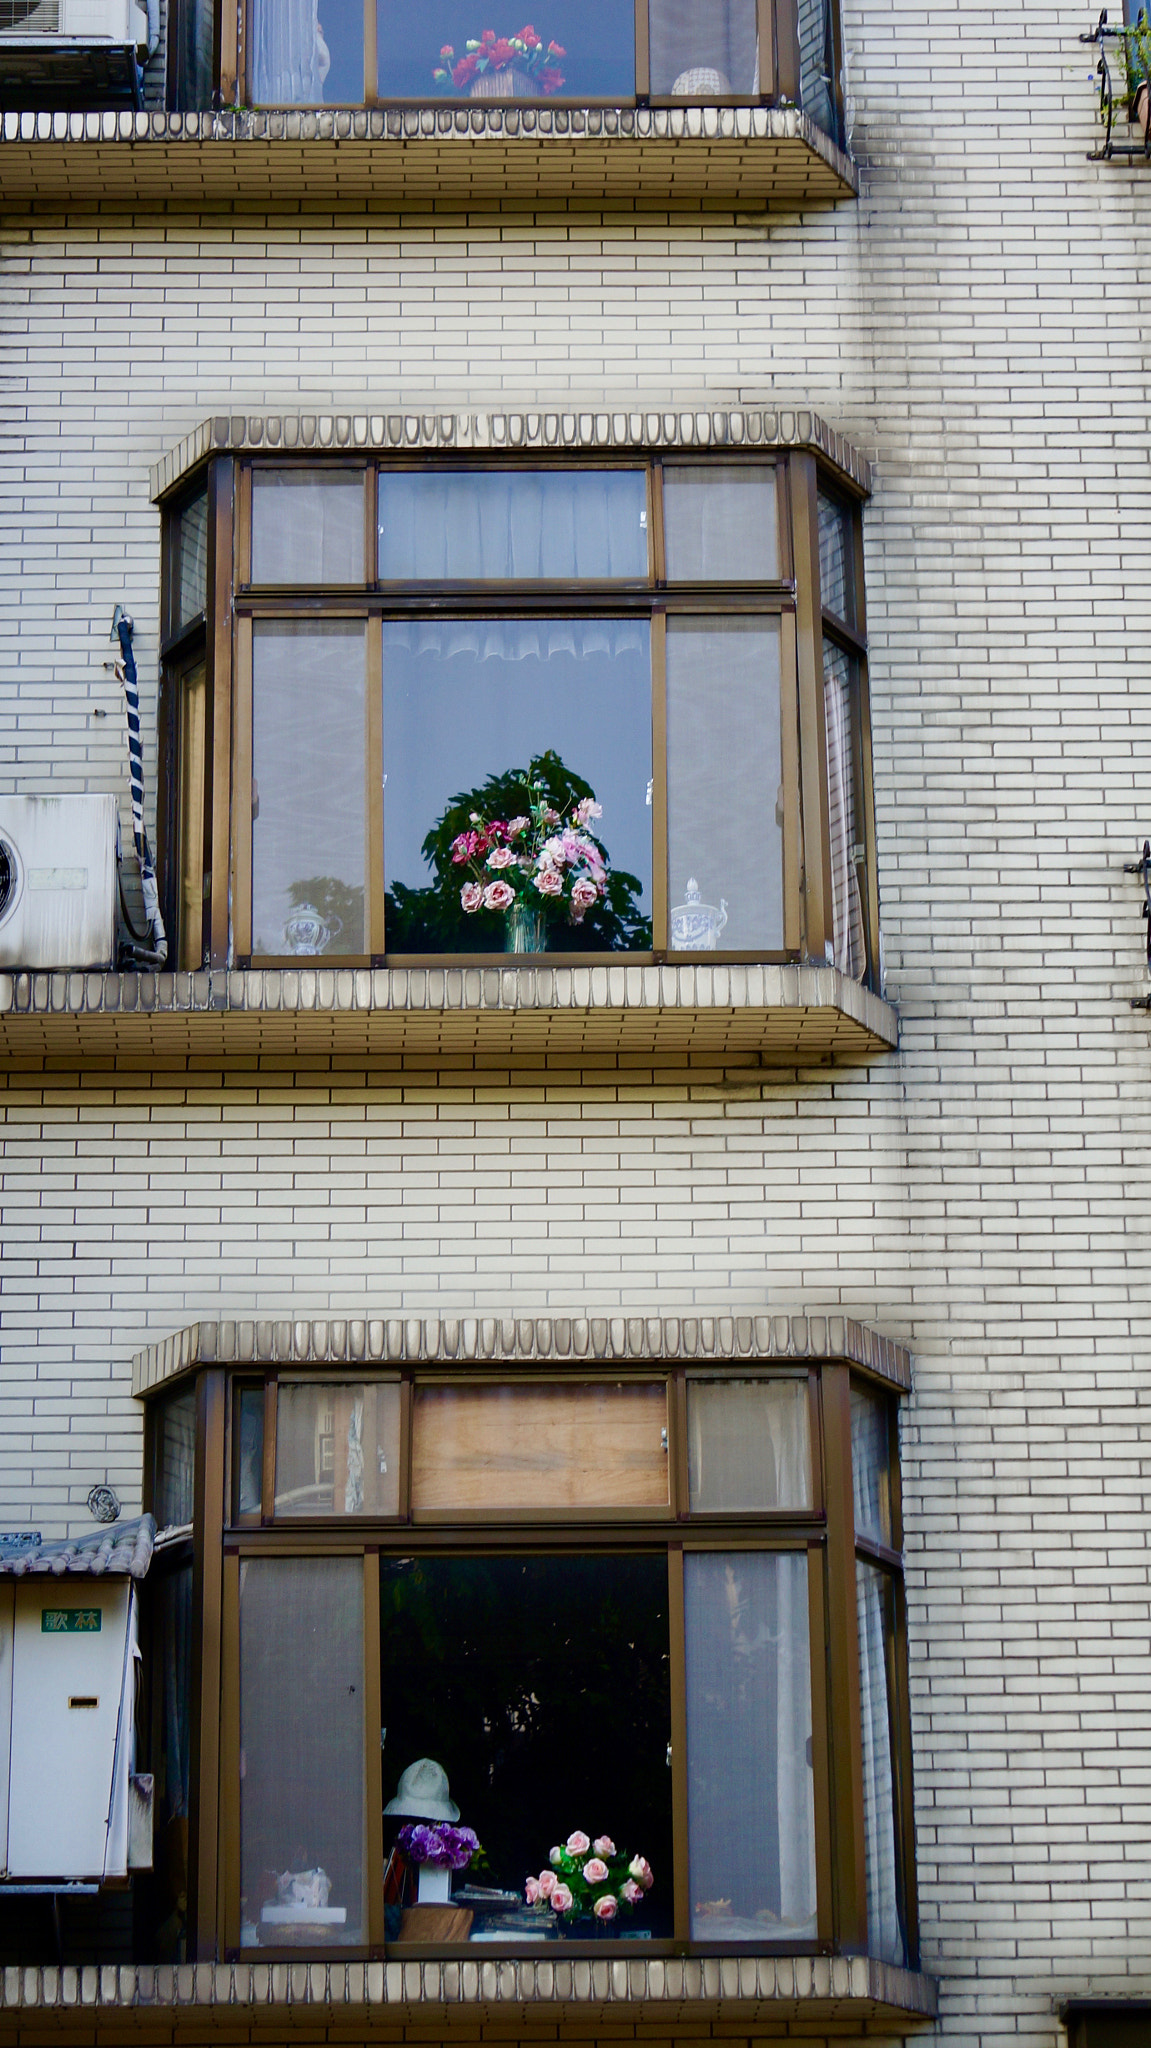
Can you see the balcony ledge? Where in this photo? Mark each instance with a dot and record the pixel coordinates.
(191, 2003)
(444, 156)
(785, 1016)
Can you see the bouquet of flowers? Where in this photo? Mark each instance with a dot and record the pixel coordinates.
(438, 1843)
(589, 1877)
(525, 53)
(540, 860)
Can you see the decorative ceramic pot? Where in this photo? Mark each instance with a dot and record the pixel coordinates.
(696, 926)
(501, 85)
(307, 932)
(524, 930)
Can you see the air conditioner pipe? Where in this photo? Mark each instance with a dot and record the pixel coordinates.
(150, 949)
(153, 27)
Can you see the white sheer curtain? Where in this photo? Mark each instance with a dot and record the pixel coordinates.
(884, 1933)
(689, 36)
(850, 947)
(748, 1444)
(515, 639)
(751, 1812)
(287, 61)
(513, 525)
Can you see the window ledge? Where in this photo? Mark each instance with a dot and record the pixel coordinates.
(649, 157)
(769, 1992)
(787, 1016)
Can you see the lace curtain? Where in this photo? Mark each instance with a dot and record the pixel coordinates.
(850, 941)
(288, 61)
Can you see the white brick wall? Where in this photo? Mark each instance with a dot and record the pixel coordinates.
(975, 323)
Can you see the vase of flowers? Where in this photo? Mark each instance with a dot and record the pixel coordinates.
(533, 868)
(436, 1849)
(589, 1880)
(501, 67)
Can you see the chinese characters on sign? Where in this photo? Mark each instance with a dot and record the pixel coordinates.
(70, 1621)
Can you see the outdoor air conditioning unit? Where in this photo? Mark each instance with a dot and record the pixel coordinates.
(57, 881)
(86, 21)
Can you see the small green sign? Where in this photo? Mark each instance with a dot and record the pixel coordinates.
(70, 1621)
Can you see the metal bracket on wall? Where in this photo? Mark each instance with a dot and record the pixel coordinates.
(1143, 867)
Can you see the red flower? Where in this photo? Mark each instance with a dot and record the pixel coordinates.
(555, 51)
(464, 71)
(551, 79)
(447, 51)
(501, 52)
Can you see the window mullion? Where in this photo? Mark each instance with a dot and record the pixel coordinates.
(846, 1746)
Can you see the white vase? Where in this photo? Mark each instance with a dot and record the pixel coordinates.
(435, 1885)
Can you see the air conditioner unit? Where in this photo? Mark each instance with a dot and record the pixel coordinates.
(57, 881)
(87, 21)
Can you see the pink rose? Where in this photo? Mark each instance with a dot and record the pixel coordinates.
(549, 882)
(556, 1855)
(584, 894)
(605, 1909)
(586, 809)
(471, 895)
(499, 896)
(577, 1844)
(561, 1899)
(516, 826)
(603, 1845)
(500, 857)
(462, 847)
(532, 1891)
(595, 1870)
(640, 1869)
(546, 1883)
(631, 1891)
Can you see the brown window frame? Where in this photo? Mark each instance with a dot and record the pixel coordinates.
(236, 604)
(825, 1531)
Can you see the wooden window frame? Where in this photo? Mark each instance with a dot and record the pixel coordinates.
(236, 606)
(825, 1533)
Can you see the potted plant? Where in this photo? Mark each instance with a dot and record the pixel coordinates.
(501, 67)
(589, 1880)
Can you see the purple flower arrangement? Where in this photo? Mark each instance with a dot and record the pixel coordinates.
(438, 1843)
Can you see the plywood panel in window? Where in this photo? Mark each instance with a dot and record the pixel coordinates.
(549, 1447)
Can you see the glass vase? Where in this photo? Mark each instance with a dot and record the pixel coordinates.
(524, 931)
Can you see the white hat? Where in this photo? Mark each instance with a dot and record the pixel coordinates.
(422, 1793)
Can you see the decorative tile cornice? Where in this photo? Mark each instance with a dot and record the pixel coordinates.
(576, 432)
(673, 1994)
(525, 1340)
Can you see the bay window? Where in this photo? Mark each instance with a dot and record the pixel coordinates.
(659, 1607)
(461, 708)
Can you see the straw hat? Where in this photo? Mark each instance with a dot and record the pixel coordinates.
(422, 1793)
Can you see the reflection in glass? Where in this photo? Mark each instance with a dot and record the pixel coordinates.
(306, 53)
(875, 1602)
(748, 1444)
(337, 1448)
(471, 698)
(191, 793)
(751, 1808)
(172, 1641)
(597, 39)
(721, 524)
(725, 796)
(701, 48)
(248, 1450)
(847, 869)
(835, 560)
(192, 55)
(541, 1685)
(307, 526)
(527, 1446)
(302, 1805)
(308, 828)
(191, 578)
(816, 88)
(871, 1464)
(557, 525)
(175, 1424)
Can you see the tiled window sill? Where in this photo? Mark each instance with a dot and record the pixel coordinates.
(453, 154)
(788, 1016)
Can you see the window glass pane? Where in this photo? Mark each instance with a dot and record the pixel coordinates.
(748, 1444)
(190, 596)
(871, 1465)
(307, 526)
(308, 829)
(751, 1811)
(248, 1451)
(482, 715)
(190, 799)
(835, 560)
(876, 1617)
(517, 526)
(725, 794)
(721, 524)
(539, 1685)
(595, 58)
(193, 54)
(175, 1458)
(847, 851)
(302, 1804)
(306, 53)
(703, 47)
(337, 1448)
(528, 1447)
(816, 89)
(172, 1637)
